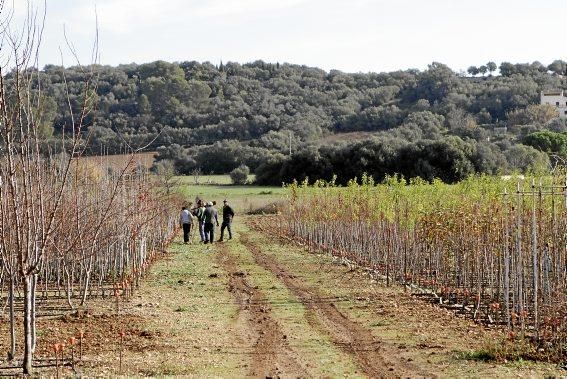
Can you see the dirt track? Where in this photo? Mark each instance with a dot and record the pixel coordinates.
(373, 357)
(271, 355)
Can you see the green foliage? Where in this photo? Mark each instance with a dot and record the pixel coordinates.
(558, 67)
(547, 141)
(214, 119)
(478, 355)
(239, 175)
(449, 158)
(527, 159)
(373, 199)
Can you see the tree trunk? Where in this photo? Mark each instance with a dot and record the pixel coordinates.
(69, 287)
(28, 307)
(12, 352)
(33, 312)
(87, 281)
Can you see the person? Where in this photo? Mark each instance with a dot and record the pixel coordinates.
(211, 217)
(200, 214)
(185, 220)
(227, 216)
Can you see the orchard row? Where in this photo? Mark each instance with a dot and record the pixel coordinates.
(487, 247)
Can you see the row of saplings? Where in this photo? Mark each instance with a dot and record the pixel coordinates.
(499, 258)
(107, 233)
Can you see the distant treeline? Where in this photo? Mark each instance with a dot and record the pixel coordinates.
(431, 123)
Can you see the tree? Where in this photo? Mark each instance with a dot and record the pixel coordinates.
(239, 175)
(526, 159)
(429, 123)
(491, 66)
(487, 158)
(33, 189)
(473, 70)
(482, 69)
(165, 172)
(435, 83)
(41, 191)
(558, 67)
(507, 69)
(449, 159)
(539, 114)
(547, 141)
(269, 172)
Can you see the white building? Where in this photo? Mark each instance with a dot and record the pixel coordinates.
(556, 98)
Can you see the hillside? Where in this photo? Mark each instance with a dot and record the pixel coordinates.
(246, 113)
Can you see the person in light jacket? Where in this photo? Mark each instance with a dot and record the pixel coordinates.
(186, 220)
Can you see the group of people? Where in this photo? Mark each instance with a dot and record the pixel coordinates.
(206, 217)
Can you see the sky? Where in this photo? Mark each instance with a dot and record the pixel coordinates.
(347, 35)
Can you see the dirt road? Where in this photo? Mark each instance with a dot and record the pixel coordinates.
(272, 355)
(352, 337)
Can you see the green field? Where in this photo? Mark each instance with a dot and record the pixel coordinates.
(244, 199)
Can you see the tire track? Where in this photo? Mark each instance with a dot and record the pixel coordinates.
(271, 355)
(374, 358)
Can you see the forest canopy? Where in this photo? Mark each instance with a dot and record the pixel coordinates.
(215, 118)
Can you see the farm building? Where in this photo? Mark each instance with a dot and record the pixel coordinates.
(557, 98)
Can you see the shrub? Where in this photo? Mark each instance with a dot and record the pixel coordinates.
(240, 175)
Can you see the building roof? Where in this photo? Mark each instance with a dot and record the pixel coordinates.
(552, 93)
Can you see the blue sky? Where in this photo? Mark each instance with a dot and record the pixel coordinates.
(349, 35)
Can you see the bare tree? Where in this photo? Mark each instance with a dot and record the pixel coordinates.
(61, 220)
(34, 189)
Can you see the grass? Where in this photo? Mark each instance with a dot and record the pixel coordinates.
(244, 199)
(209, 179)
(204, 180)
(193, 314)
(454, 348)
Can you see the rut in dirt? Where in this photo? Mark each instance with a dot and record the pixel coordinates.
(373, 357)
(271, 355)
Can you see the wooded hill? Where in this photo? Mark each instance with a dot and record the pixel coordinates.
(431, 123)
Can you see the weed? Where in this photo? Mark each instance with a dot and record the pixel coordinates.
(517, 352)
(477, 355)
(379, 323)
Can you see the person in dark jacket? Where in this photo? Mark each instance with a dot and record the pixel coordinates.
(199, 213)
(227, 216)
(210, 218)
